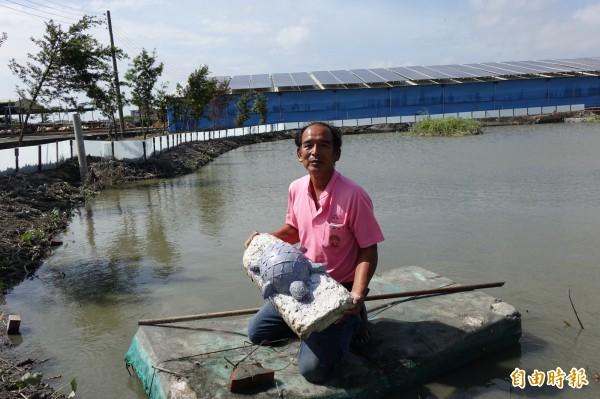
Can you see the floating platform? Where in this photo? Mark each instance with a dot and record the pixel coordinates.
(412, 341)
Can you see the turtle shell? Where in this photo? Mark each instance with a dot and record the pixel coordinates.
(282, 264)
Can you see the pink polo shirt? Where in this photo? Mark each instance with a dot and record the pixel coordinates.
(335, 232)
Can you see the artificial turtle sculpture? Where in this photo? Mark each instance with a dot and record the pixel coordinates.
(284, 269)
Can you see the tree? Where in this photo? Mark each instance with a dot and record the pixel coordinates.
(104, 98)
(260, 107)
(178, 108)
(141, 78)
(3, 38)
(198, 93)
(68, 63)
(161, 101)
(218, 104)
(243, 109)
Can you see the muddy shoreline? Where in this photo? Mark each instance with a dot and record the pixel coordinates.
(37, 207)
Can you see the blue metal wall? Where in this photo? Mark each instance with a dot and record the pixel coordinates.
(300, 106)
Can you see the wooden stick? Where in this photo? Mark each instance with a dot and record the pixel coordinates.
(573, 306)
(241, 312)
(201, 316)
(443, 290)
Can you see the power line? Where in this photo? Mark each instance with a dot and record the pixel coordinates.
(41, 11)
(126, 42)
(136, 48)
(35, 15)
(131, 41)
(56, 9)
(72, 8)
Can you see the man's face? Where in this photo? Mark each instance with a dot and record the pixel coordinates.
(317, 152)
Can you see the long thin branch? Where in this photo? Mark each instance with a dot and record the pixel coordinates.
(573, 306)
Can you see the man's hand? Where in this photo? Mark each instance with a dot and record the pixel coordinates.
(249, 240)
(358, 300)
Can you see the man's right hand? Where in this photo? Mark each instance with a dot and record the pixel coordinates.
(249, 240)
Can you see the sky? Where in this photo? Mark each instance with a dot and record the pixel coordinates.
(239, 37)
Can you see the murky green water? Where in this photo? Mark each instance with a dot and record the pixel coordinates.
(516, 204)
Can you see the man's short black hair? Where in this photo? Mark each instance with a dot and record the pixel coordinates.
(335, 133)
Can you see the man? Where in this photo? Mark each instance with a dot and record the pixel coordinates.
(333, 218)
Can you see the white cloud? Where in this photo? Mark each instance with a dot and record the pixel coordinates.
(589, 15)
(291, 37)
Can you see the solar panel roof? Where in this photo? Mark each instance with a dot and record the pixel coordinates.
(437, 71)
(399, 75)
(464, 71)
(389, 76)
(367, 76)
(588, 64)
(410, 74)
(240, 82)
(527, 68)
(595, 62)
(547, 67)
(282, 80)
(326, 78)
(261, 81)
(303, 79)
(444, 72)
(491, 68)
(568, 63)
(346, 77)
(510, 69)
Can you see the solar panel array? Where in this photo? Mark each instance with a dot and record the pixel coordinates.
(347, 78)
(240, 82)
(303, 79)
(414, 74)
(283, 80)
(326, 78)
(262, 81)
(369, 77)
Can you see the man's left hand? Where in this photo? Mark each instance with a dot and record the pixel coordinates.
(358, 300)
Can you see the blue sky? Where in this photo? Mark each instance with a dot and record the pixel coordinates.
(236, 37)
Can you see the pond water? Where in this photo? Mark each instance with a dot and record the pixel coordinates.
(517, 204)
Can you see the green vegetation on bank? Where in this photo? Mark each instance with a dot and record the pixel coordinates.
(446, 127)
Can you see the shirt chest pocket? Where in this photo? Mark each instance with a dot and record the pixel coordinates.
(336, 235)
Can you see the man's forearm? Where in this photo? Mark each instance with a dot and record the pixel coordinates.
(287, 233)
(365, 269)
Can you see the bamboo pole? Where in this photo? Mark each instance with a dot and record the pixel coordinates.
(241, 312)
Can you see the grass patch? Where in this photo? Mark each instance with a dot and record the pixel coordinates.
(446, 127)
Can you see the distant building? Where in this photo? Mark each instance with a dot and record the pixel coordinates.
(414, 90)
(136, 115)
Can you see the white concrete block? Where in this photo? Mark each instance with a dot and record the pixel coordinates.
(331, 299)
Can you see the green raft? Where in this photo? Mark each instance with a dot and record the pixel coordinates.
(413, 340)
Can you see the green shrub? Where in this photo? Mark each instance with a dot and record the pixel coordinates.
(446, 127)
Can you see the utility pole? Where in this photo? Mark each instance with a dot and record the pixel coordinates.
(117, 86)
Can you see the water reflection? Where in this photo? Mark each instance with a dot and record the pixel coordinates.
(210, 204)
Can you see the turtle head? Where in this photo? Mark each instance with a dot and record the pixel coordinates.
(298, 290)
